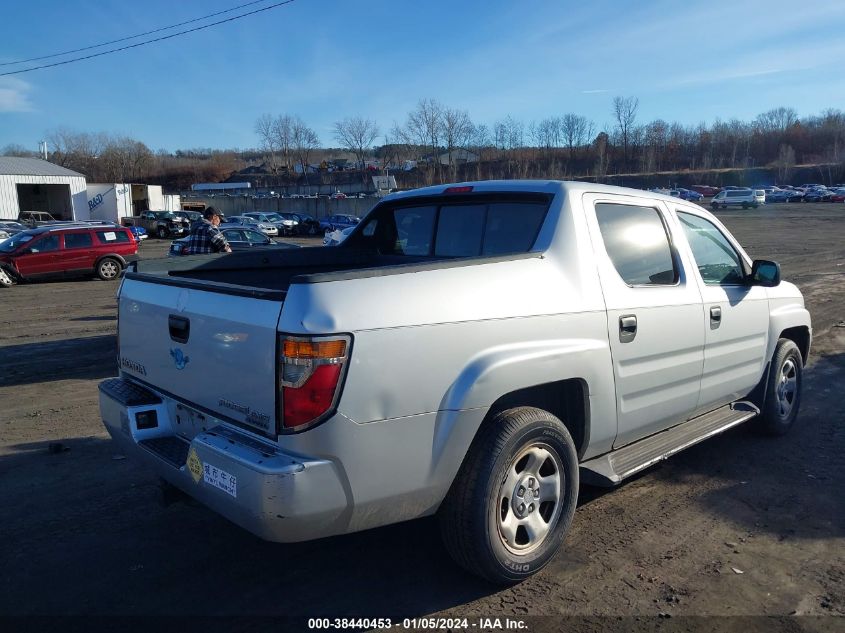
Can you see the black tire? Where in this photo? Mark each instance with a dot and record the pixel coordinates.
(512, 455)
(7, 280)
(744, 205)
(161, 232)
(108, 268)
(714, 205)
(783, 390)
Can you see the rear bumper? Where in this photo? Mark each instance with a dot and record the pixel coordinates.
(277, 496)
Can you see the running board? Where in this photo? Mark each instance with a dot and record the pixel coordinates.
(611, 468)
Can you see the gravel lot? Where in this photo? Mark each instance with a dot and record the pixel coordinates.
(737, 525)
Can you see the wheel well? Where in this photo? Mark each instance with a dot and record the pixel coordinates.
(565, 399)
(114, 256)
(801, 337)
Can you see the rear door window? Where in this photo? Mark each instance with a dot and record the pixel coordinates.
(78, 240)
(637, 242)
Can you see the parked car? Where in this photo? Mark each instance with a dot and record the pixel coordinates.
(784, 195)
(190, 216)
(817, 195)
(333, 238)
(706, 190)
(244, 220)
(240, 238)
(306, 224)
(838, 195)
(689, 194)
(162, 224)
(333, 222)
(11, 227)
(284, 226)
(61, 251)
(745, 198)
(423, 367)
(35, 218)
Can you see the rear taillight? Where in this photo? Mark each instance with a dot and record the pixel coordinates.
(311, 373)
(463, 189)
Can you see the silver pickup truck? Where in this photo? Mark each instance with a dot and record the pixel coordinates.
(472, 351)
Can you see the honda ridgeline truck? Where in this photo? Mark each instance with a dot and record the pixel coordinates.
(472, 351)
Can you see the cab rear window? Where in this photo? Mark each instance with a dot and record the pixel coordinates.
(475, 228)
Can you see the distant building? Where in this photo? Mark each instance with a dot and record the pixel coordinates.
(31, 184)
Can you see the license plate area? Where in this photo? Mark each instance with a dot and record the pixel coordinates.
(190, 421)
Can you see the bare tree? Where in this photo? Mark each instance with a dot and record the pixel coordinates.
(785, 162)
(356, 134)
(575, 131)
(265, 129)
(425, 127)
(304, 140)
(16, 149)
(776, 120)
(625, 113)
(283, 137)
(457, 132)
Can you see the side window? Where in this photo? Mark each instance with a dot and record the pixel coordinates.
(46, 244)
(113, 237)
(638, 244)
(78, 240)
(717, 260)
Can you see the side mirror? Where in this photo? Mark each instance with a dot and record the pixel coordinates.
(764, 273)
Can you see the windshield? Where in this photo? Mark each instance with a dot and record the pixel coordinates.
(7, 246)
(273, 217)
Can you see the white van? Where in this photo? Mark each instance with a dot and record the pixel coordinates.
(739, 197)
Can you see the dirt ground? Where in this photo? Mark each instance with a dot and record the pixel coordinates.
(736, 526)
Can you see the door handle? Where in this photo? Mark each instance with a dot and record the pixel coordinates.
(627, 328)
(180, 328)
(715, 317)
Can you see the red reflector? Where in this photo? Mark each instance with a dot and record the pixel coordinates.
(311, 400)
(458, 189)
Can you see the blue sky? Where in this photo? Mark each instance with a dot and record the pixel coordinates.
(323, 60)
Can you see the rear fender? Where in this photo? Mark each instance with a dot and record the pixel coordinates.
(508, 368)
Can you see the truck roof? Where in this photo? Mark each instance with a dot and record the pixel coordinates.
(533, 186)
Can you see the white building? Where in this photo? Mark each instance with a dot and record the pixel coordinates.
(111, 202)
(31, 184)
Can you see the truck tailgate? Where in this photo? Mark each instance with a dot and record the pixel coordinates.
(211, 350)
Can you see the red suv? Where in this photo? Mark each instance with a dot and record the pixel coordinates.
(62, 251)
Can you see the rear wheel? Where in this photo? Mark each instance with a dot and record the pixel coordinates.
(783, 389)
(108, 268)
(6, 279)
(514, 497)
(744, 205)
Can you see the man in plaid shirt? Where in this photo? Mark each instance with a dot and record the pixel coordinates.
(206, 237)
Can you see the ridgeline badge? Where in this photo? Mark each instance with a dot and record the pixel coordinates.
(179, 358)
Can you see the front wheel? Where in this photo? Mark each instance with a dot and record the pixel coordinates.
(783, 389)
(513, 498)
(108, 269)
(6, 279)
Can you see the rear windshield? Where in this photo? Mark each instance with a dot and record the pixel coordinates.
(472, 228)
